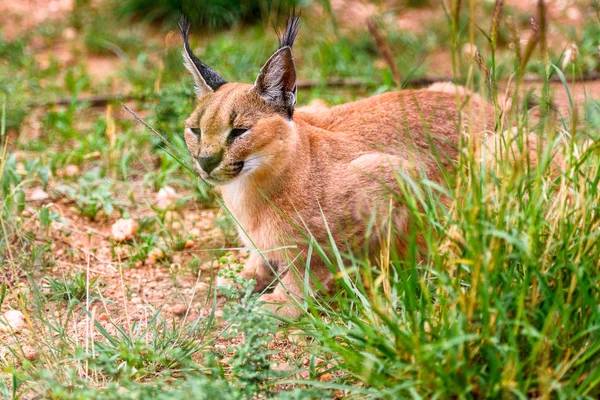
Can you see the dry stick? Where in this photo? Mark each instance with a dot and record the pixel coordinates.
(334, 82)
(542, 28)
(531, 43)
(514, 35)
(497, 15)
(384, 49)
(94, 101)
(103, 100)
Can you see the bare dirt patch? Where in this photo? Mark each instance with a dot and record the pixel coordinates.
(22, 15)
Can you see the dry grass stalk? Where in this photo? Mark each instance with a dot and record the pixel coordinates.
(384, 49)
(496, 16)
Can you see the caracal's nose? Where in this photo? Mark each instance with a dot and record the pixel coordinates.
(209, 163)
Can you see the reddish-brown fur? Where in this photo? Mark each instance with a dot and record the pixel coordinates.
(322, 166)
(325, 169)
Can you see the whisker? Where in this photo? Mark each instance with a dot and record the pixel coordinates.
(258, 157)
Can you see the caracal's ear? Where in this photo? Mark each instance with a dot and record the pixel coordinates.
(276, 83)
(205, 78)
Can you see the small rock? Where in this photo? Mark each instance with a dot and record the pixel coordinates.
(38, 194)
(281, 367)
(154, 256)
(136, 300)
(30, 353)
(220, 346)
(124, 230)
(573, 13)
(13, 320)
(177, 259)
(469, 50)
(327, 377)
(171, 216)
(71, 170)
(195, 233)
(69, 33)
(20, 169)
(178, 309)
(202, 286)
(304, 374)
(166, 197)
(297, 337)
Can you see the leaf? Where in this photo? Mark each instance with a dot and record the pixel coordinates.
(563, 80)
(44, 174)
(108, 208)
(44, 216)
(2, 293)
(20, 200)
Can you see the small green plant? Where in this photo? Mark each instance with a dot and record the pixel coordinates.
(251, 361)
(92, 194)
(74, 287)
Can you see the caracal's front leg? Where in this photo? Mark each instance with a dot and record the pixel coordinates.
(254, 268)
(287, 299)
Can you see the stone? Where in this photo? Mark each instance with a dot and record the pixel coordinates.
(327, 377)
(154, 256)
(166, 197)
(38, 194)
(124, 230)
(178, 309)
(195, 233)
(30, 353)
(71, 170)
(13, 320)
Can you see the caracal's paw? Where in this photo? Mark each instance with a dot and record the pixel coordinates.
(281, 305)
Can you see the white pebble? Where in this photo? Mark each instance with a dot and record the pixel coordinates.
(13, 320)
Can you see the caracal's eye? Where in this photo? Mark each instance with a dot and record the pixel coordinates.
(196, 131)
(235, 133)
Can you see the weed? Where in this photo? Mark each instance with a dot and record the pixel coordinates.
(92, 194)
(72, 287)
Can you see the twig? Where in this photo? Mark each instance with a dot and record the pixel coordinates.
(384, 49)
(94, 101)
(335, 82)
(102, 100)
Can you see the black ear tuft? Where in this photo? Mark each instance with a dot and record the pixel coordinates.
(276, 83)
(288, 37)
(202, 73)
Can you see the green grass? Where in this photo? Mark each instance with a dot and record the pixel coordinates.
(501, 301)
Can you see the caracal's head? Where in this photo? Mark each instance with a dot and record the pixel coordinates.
(240, 129)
